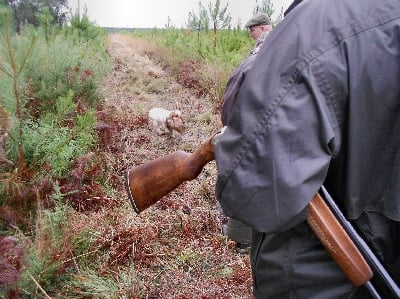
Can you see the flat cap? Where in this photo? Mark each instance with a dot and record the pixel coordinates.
(258, 19)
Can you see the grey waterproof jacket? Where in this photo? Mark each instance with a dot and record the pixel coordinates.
(321, 103)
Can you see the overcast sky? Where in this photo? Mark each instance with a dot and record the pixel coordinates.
(155, 13)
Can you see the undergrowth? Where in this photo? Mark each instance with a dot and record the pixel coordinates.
(49, 84)
(64, 230)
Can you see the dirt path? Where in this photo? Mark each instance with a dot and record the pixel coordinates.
(137, 85)
(179, 251)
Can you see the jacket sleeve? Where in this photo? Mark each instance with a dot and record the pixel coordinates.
(275, 152)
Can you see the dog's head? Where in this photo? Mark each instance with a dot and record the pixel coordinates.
(175, 121)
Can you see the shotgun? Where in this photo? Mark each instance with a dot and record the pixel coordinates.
(150, 181)
(386, 285)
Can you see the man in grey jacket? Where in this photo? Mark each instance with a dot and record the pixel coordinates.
(320, 106)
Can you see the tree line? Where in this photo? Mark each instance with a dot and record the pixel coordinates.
(216, 16)
(28, 11)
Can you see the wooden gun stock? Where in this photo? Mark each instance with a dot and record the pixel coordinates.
(149, 182)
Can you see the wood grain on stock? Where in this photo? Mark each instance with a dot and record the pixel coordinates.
(149, 182)
(337, 242)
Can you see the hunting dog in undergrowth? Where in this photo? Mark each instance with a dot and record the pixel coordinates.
(165, 121)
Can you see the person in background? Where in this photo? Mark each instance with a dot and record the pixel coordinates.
(320, 106)
(259, 26)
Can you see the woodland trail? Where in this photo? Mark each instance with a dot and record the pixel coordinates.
(176, 248)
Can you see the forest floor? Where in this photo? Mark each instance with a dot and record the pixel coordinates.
(174, 248)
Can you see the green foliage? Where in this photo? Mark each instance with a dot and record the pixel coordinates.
(14, 49)
(56, 88)
(220, 18)
(43, 78)
(14, 53)
(219, 15)
(216, 17)
(40, 262)
(46, 20)
(82, 29)
(207, 68)
(89, 284)
(62, 65)
(233, 45)
(57, 138)
(7, 97)
(48, 89)
(54, 142)
(81, 242)
(200, 21)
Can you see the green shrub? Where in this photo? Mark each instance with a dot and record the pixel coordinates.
(58, 137)
(62, 65)
(44, 259)
(90, 284)
(81, 29)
